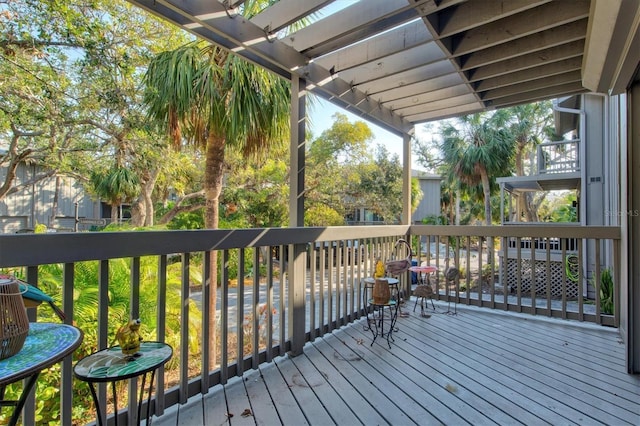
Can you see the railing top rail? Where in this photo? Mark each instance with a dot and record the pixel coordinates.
(572, 141)
(541, 231)
(37, 249)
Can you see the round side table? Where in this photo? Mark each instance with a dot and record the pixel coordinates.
(45, 345)
(111, 365)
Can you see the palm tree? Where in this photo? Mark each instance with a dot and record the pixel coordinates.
(117, 186)
(476, 150)
(203, 95)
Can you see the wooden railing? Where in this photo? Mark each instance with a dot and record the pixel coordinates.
(298, 284)
(559, 157)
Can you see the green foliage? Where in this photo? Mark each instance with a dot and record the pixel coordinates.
(380, 185)
(257, 192)
(562, 208)
(189, 220)
(607, 303)
(434, 220)
(321, 215)
(71, 85)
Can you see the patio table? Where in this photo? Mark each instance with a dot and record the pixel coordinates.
(111, 365)
(45, 345)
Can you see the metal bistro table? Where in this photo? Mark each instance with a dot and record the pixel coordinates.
(111, 365)
(45, 345)
(376, 311)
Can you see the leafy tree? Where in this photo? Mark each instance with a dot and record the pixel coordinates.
(206, 96)
(333, 166)
(71, 98)
(257, 191)
(321, 215)
(380, 186)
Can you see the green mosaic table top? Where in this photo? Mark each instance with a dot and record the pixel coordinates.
(45, 345)
(111, 364)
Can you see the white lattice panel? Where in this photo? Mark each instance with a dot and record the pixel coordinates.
(555, 272)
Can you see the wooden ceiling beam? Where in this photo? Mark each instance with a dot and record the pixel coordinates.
(428, 97)
(523, 24)
(472, 14)
(538, 95)
(547, 56)
(555, 68)
(424, 86)
(533, 43)
(286, 12)
(531, 85)
(436, 69)
(397, 40)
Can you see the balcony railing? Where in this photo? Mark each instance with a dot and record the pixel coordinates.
(559, 157)
(294, 285)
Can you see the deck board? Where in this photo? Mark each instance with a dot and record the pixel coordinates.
(478, 367)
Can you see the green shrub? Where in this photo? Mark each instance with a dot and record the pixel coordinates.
(606, 292)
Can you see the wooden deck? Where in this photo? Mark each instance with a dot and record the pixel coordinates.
(477, 367)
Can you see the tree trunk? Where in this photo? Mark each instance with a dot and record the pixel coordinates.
(212, 189)
(147, 192)
(525, 202)
(138, 212)
(458, 195)
(54, 205)
(486, 190)
(114, 212)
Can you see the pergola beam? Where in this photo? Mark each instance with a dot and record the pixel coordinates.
(211, 21)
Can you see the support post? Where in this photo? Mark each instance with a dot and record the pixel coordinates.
(297, 252)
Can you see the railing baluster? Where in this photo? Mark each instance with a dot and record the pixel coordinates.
(223, 322)
(337, 260)
(581, 281)
(134, 308)
(184, 330)
(206, 288)
(66, 390)
(103, 326)
(563, 249)
(161, 330)
(240, 301)
(330, 296)
(256, 311)
(548, 277)
(519, 273)
(505, 272)
(598, 282)
(534, 280)
(269, 295)
(322, 318)
(281, 301)
(313, 276)
(616, 283)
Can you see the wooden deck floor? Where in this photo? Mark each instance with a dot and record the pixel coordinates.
(477, 367)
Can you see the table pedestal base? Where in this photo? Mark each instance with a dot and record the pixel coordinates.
(376, 320)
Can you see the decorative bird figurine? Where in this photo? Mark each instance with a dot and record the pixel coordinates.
(33, 296)
(128, 336)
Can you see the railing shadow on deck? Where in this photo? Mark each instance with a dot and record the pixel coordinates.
(299, 284)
